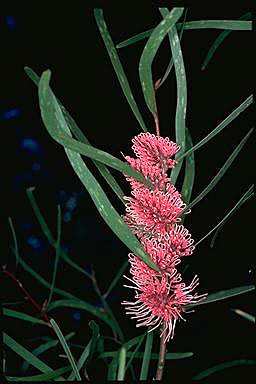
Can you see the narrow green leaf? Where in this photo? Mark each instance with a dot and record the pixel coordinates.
(219, 40)
(57, 255)
(43, 348)
(170, 65)
(112, 368)
(221, 172)
(133, 354)
(249, 193)
(22, 316)
(180, 117)
(26, 355)
(242, 107)
(88, 350)
(154, 356)
(42, 377)
(53, 117)
(66, 348)
(222, 295)
(121, 364)
(146, 356)
(245, 315)
(232, 25)
(220, 367)
(81, 137)
(116, 278)
(98, 14)
(148, 54)
(81, 305)
(189, 177)
(48, 234)
(14, 241)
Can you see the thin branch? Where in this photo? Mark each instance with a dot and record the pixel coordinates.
(162, 355)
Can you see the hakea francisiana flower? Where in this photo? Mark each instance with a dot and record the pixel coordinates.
(152, 214)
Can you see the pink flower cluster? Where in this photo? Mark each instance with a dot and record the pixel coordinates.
(153, 215)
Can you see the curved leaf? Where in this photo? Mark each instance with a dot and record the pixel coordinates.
(23, 316)
(43, 377)
(149, 53)
(220, 367)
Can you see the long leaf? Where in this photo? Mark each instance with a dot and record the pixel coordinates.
(121, 364)
(221, 172)
(233, 115)
(148, 54)
(189, 177)
(81, 137)
(219, 40)
(232, 25)
(180, 117)
(53, 119)
(42, 377)
(14, 241)
(66, 348)
(88, 350)
(27, 355)
(133, 354)
(117, 277)
(22, 316)
(98, 14)
(220, 367)
(146, 356)
(222, 295)
(154, 356)
(57, 255)
(249, 193)
(81, 305)
(44, 347)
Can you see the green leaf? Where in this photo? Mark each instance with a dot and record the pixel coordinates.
(180, 117)
(219, 40)
(112, 368)
(220, 367)
(154, 356)
(66, 348)
(48, 234)
(189, 177)
(53, 119)
(44, 347)
(98, 14)
(81, 305)
(116, 278)
(57, 255)
(81, 137)
(133, 354)
(249, 193)
(14, 241)
(245, 315)
(222, 295)
(232, 25)
(26, 355)
(121, 364)
(221, 172)
(22, 316)
(42, 377)
(146, 356)
(148, 54)
(88, 350)
(242, 107)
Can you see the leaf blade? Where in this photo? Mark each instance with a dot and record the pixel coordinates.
(189, 178)
(220, 367)
(147, 356)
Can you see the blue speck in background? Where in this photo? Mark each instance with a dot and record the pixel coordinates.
(10, 22)
(11, 113)
(36, 167)
(30, 145)
(34, 242)
(76, 315)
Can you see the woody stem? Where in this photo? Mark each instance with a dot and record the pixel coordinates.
(162, 355)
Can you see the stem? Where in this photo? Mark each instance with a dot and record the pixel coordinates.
(157, 124)
(162, 354)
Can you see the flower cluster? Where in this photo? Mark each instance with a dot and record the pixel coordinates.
(153, 215)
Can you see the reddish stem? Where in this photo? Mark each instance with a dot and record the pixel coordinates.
(157, 124)
(30, 298)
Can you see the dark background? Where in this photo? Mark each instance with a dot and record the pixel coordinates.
(68, 42)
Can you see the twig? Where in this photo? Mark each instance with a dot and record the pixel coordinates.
(162, 355)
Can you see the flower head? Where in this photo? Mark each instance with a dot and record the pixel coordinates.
(155, 150)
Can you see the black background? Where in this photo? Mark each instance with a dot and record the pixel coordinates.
(67, 41)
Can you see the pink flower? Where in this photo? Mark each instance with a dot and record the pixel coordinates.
(156, 210)
(155, 150)
(151, 172)
(162, 302)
